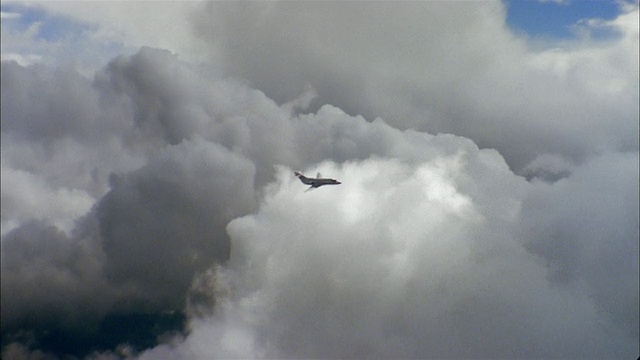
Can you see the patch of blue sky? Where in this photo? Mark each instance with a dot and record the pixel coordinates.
(54, 39)
(51, 29)
(561, 19)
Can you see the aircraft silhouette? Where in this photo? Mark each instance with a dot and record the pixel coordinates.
(317, 182)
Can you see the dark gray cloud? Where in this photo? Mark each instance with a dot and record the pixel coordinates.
(156, 199)
(134, 254)
(165, 222)
(44, 269)
(588, 237)
(132, 258)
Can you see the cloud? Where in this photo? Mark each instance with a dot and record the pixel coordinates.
(142, 216)
(559, 2)
(60, 128)
(593, 226)
(18, 43)
(31, 198)
(152, 206)
(96, 31)
(439, 67)
(134, 253)
(165, 222)
(415, 260)
(436, 67)
(9, 15)
(51, 283)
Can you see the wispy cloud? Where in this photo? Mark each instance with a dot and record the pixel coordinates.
(559, 2)
(4, 15)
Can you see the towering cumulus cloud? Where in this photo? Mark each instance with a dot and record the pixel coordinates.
(406, 260)
(150, 210)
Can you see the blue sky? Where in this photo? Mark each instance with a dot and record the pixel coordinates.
(536, 18)
(52, 27)
(51, 38)
(555, 20)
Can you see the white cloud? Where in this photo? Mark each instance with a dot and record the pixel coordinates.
(402, 260)
(22, 59)
(5, 15)
(559, 2)
(440, 67)
(175, 183)
(26, 196)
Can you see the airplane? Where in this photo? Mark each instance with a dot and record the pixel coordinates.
(317, 182)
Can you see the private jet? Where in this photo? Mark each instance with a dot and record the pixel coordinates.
(316, 182)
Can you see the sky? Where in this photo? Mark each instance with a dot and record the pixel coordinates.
(488, 154)
(557, 19)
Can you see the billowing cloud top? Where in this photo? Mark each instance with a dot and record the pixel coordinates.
(150, 210)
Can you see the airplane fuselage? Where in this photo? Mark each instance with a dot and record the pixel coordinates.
(316, 182)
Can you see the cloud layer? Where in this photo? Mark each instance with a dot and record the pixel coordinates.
(440, 67)
(151, 210)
